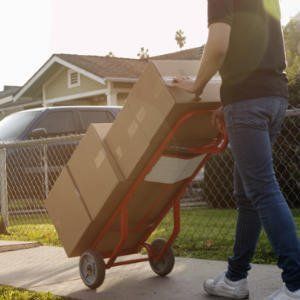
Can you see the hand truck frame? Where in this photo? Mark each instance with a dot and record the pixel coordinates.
(92, 265)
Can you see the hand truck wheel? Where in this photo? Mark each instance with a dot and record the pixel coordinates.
(165, 264)
(92, 269)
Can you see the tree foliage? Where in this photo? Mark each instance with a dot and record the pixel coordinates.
(144, 53)
(292, 46)
(110, 54)
(180, 38)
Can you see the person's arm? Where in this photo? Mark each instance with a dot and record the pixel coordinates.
(212, 59)
(214, 54)
(220, 14)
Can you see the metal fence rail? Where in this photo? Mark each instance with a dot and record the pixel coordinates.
(29, 169)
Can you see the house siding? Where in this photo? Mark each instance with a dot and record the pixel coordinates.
(121, 98)
(59, 86)
(123, 85)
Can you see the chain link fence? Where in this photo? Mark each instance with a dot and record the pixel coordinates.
(29, 170)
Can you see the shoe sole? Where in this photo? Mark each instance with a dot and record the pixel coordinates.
(212, 293)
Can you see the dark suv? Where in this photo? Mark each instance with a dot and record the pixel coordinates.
(32, 167)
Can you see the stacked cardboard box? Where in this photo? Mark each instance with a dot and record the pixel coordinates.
(111, 157)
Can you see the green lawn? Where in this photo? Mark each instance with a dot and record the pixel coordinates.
(10, 293)
(32, 228)
(205, 233)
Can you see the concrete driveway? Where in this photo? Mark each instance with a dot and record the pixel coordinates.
(48, 269)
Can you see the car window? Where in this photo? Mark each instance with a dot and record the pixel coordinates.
(58, 123)
(12, 127)
(94, 116)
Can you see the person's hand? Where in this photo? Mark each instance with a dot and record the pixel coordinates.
(185, 84)
(217, 118)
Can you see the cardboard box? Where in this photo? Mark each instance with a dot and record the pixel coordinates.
(170, 69)
(151, 111)
(67, 211)
(86, 193)
(89, 163)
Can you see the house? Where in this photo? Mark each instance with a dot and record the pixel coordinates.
(67, 79)
(6, 96)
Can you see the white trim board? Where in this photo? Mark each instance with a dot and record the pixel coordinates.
(77, 96)
(122, 79)
(6, 99)
(21, 105)
(55, 59)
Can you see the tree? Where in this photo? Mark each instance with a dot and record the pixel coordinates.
(180, 38)
(143, 54)
(292, 46)
(110, 54)
(294, 91)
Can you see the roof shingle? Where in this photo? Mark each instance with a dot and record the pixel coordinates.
(107, 67)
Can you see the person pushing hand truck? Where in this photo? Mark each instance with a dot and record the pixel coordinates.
(245, 44)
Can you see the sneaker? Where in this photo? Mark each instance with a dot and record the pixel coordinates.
(284, 294)
(222, 286)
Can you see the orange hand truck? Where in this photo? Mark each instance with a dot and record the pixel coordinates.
(92, 265)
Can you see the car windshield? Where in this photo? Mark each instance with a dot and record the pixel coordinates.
(12, 126)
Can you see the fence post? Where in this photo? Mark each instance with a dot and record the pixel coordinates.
(3, 188)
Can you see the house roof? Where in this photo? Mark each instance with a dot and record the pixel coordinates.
(107, 67)
(189, 54)
(9, 90)
(100, 68)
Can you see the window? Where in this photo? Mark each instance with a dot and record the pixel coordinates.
(91, 116)
(73, 79)
(58, 123)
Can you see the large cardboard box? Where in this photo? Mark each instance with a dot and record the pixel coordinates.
(67, 211)
(169, 69)
(151, 111)
(94, 170)
(86, 193)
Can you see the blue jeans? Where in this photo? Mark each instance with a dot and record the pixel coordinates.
(252, 127)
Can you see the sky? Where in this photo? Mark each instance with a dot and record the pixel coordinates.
(32, 30)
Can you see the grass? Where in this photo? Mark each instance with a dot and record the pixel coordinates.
(209, 234)
(10, 293)
(32, 228)
(205, 233)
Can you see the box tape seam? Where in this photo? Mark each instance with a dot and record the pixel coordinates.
(120, 174)
(78, 190)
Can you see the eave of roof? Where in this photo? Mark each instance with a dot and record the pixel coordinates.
(102, 68)
(97, 68)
